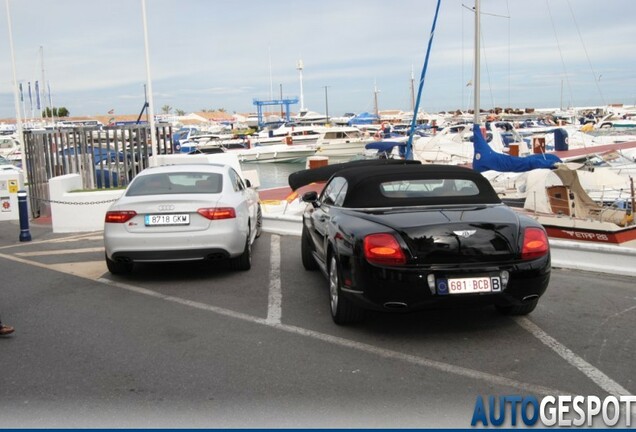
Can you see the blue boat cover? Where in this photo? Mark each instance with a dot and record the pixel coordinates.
(363, 118)
(485, 158)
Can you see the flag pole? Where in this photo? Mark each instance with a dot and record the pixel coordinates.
(151, 112)
(18, 117)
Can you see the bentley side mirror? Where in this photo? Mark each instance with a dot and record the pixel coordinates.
(311, 197)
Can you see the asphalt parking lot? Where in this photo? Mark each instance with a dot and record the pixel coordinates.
(199, 345)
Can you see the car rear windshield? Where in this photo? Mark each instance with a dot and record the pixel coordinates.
(176, 183)
(429, 188)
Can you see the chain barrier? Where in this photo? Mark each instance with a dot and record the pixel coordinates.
(76, 202)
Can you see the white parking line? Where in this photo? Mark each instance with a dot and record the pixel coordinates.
(347, 343)
(60, 252)
(71, 238)
(602, 380)
(274, 320)
(275, 298)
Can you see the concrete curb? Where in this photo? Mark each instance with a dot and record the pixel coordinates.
(601, 258)
(567, 254)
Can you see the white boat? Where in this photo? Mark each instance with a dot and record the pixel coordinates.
(615, 120)
(343, 142)
(603, 185)
(342, 120)
(557, 199)
(283, 134)
(309, 117)
(252, 121)
(7, 129)
(204, 139)
(276, 153)
(10, 148)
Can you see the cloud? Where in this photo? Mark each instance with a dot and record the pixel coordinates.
(224, 53)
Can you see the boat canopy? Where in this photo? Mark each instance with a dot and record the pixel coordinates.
(364, 118)
(485, 158)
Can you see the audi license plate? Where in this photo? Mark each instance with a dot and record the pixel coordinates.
(167, 219)
(469, 285)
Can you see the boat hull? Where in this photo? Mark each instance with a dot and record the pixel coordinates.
(275, 154)
(342, 149)
(613, 237)
(567, 228)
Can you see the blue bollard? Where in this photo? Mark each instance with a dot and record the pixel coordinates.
(25, 235)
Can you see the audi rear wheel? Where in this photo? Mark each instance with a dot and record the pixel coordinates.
(243, 262)
(117, 267)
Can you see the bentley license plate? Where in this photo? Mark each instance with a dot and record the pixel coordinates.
(167, 219)
(469, 285)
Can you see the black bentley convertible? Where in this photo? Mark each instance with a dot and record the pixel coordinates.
(399, 236)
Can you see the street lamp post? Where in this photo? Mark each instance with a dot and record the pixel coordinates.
(299, 68)
(281, 98)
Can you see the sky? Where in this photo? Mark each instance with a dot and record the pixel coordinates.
(218, 54)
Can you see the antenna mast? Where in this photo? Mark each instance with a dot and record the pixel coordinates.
(476, 117)
(299, 67)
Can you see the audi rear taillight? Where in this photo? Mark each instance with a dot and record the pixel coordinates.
(383, 249)
(216, 213)
(119, 216)
(535, 243)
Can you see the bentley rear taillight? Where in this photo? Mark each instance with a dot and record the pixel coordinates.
(216, 213)
(383, 249)
(535, 243)
(119, 216)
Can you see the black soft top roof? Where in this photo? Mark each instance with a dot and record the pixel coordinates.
(364, 186)
(305, 177)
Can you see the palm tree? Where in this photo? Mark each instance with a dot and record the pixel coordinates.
(166, 109)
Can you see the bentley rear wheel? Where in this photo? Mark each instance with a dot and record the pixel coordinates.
(343, 311)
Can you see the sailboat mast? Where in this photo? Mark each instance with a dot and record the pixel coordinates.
(412, 91)
(16, 97)
(151, 103)
(42, 89)
(476, 119)
(409, 144)
(375, 100)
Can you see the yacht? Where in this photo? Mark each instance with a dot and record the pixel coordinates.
(277, 153)
(343, 142)
(309, 117)
(288, 133)
(343, 120)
